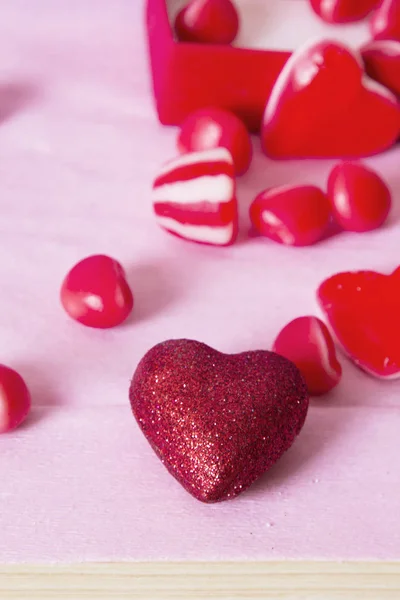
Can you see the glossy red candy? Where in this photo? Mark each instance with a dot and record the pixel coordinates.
(207, 22)
(291, 215)
(382, 63)
(363, 311)
(385, 22)
(217, 421)
(15, 399)
(95, 292)
(323, 105)
(360, 198)
(212, 128)
(194, 197)
(306, 341)
(343, 11)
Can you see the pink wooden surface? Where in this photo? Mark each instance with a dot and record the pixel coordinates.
(79, 146)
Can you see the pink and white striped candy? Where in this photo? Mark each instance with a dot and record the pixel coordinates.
(382, 63)
(306, 341)
(194, 197)
(385, 22)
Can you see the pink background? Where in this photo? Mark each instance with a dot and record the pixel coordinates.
(79, 147)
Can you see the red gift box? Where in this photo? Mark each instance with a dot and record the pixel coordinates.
(188, 76)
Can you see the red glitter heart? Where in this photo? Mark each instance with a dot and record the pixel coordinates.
(323, 105)
(217, 421)
(363, 311)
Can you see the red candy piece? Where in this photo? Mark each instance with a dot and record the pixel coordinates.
(217, 421)
(95, 292)
(212, 128)
(291, 215)
(363, 311)
(382, 63)
(323, 105)
(194, 197)
(343, 11)
(15, 399)
(385, 22)
(208, 22)
(307, 342)
(360, 199)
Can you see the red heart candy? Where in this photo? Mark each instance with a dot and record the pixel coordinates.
(15, 399)
(323, 105)
(217, 421)
(194, 197)
(213, 128)
(207, 21)
(363, 311)
(95, 292)
(343, 11)
(360, 198)
(307, 342)
(385, 22)
(291, 215)
(382, 63)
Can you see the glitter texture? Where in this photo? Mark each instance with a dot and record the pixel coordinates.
(217, 421)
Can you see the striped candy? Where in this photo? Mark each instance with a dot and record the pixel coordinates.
(194, 197)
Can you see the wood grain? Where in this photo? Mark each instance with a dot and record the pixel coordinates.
(193, 581)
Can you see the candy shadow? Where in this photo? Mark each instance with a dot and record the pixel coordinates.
(155, 287)
(43, 393)
(15, 97)
(322, 429)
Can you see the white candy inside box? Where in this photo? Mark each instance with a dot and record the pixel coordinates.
(264, 25)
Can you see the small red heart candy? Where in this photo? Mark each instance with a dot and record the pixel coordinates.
(363, 311)
(385, 22)
(207, 22)
(306, 341)
(323, 105)
(291, 215)
(194, 197)
(360, 199)
(382, 63)
(15, 399)
(209, 128)
(217, 421)
(343, 11)
(95, 292)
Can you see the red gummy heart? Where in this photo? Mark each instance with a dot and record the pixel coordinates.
(96, 293)
(382, 63)
(217, 421)
(343, 11)
(385, 23)
(363, 311)
(208, 22)
(323, 105)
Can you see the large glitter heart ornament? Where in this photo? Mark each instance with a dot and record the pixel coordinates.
(363, 311)
(217, 421)
(323, 105)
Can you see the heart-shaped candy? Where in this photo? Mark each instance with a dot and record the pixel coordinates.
(194, 197)
(382, 63)
(291, 215)
(343, 11)
(207, 22)
(385, 22)
(217, 421)
(360, 199)
(363, 311)
(95, 292)
(323, 105)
